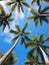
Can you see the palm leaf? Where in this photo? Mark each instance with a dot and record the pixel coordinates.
(27, 32)
(8, 15)
(45, 9)
(25, 26)
(38, 2)
(10, 19)
(27, 63)
(14, 39)
(45, 19)
(2, 10)
(18, 28)
(12, 31)
(32, 11)
(31, 17)
(21, 8)
(27, 38)
(41, 23)
(27, 5)
(13, 7)
(18, 7)
(36, 21)
(22, 41)
(41, 37)
(45, 40)
(33, 2)
(9, 3)
(39, 10)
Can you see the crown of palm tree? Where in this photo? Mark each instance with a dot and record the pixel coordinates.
(39, 16)
(33, 60)
(38, 1)
(18, 3)
(4, 18)
(21, 33)
(10, 60)
(35, 43)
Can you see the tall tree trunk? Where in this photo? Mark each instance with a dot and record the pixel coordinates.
(45, 56)
(8, 52)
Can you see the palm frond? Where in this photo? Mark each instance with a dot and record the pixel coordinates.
(18, 28)
(46, 40)
(14, 39)
(31, 18)
(25, 4)
(9, 3)
(13, 7)
(2, 10)
(25, 26)
(45, 9)
(12, 31)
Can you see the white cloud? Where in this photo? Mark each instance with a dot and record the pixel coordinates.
(6, 31)
(6, 8)
(18, 15)
(7, 40)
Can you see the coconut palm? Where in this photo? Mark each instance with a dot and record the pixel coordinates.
(33, 60)
(41, 15)
(9, 60)
(38, 1)
(38, 46)
(18, 3)
(19, 34)
(4, 18)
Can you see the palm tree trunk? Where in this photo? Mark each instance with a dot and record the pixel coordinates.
(8, 52)
(45, 56)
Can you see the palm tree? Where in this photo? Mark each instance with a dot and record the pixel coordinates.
(18, 3)
(37, 45)
(38, 1)
(4, 18)
(19, 34)
(41, 15)
(33, 60)
(9, 60)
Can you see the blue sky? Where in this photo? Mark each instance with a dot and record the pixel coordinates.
(5, 37)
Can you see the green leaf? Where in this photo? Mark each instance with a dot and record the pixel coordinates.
(9, 3)
(13, 7)
(18, 7)
(10, 19)
(8, 15)
(27, 38)
(41, 37)
(25, 26)
(33, 2)
(28, 32)
(45, 19)
(21, 8)
(36, 21)
(47, 39)
(45, 9)
(27, 63)
(18, 28)
(39, 10)
(41, 23)
(22, 41)
(31, 17)
(14, 39)
(32, 11)
(25, 4)
(38, 2)
(12, 31)
(2, 10)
